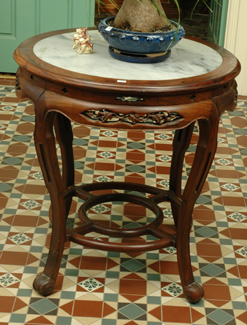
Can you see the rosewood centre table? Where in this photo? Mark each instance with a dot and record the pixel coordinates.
(197, 83)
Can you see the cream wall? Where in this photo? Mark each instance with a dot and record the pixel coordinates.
(236, 38)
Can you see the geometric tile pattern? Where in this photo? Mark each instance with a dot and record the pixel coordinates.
(107, 288)
(8, 279)
(90, 284)
(173, 289)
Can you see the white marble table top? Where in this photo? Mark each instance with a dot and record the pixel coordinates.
(188, 59)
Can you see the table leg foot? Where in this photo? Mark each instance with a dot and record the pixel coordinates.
(193, 292)
(43, 285)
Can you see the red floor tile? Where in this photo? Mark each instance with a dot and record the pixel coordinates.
(137, 287)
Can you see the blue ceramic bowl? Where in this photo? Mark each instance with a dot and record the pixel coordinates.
(135, 42)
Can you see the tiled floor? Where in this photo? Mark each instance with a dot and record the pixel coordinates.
(111, 288)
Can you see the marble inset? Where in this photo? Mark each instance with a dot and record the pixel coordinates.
(188, 59)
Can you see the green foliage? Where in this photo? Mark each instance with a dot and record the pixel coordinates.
(112, 2)
(206, 4)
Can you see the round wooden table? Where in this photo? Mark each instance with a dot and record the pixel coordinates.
(197, 83)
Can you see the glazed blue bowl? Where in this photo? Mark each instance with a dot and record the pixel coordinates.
(135, 42)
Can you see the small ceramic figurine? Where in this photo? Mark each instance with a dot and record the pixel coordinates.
(82, 41)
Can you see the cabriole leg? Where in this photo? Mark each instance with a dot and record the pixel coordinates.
(202, 162)
(64, 137)
(46, 151)
(181, 143)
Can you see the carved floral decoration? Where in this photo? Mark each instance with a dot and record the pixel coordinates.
(106, 116)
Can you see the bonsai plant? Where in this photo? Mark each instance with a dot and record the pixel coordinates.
(145, 15)
(141, 32)
(142, 16)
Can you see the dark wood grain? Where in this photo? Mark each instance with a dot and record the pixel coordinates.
(61, 96)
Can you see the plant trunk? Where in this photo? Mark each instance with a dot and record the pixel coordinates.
(141, 16)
